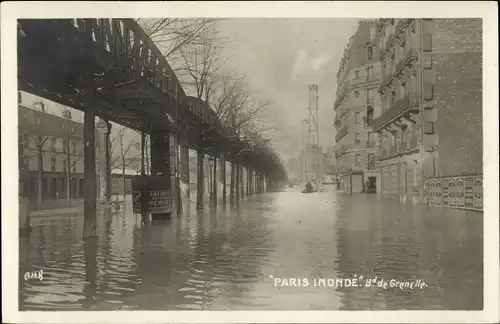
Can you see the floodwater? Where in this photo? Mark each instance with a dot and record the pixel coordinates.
(243, 258)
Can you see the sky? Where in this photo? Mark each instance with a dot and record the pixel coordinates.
(281, 57)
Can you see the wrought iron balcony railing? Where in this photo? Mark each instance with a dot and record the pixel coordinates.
(399, 149)
(341, 134)
(409, 103)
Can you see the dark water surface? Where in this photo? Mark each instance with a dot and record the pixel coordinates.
(229, 259)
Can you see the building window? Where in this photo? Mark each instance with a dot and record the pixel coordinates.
(26, 141)
(356, 94)
(38, 120)
(53, 164)
(370, 53)
(356, 141)
(74, 167)
(64, 165)
(357, 117)
(74, 147)
(408, 141)
(53, 143)
(371, 161)
(356, 74)
(357, 159)
(393, 97)
(64, 146)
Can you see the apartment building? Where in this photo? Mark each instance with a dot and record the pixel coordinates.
(50, 139)
(357, 102)
(431, 94)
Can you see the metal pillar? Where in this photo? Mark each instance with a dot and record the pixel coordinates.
(90, 188)
(222, 167)
(107, 153)
(160, 163)
(184, 170)
(200, 178)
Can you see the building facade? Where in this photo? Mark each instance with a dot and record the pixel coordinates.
(431, 99)
(53, 143)
(431, 93)
(357, 102)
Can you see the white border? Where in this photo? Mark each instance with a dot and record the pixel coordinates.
(10, 11)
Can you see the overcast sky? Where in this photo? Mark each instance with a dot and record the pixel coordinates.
(281, 57)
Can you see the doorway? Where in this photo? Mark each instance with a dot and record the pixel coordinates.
(371, 185)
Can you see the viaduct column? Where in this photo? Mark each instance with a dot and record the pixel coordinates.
(107, 156)
(184, 171)
(90, 187)
(160, 164)
(222, 177)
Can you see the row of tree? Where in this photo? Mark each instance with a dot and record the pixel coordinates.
(195, 50)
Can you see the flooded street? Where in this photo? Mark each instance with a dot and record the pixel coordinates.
(231, 258)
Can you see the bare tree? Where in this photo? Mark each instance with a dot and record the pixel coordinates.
(121, 153)
(70, 163)
(172, 35)
(39, 143)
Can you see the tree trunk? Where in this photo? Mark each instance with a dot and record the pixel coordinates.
(200, 180)
(123, 179)
(40, 178)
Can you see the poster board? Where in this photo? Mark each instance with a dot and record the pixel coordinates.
(478, 192)
(157, 194)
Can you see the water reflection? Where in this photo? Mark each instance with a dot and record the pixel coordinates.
(223, 258)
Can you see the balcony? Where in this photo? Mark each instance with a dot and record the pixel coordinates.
(341, 150)
(402, 108)
(403, 148)
(341, 134)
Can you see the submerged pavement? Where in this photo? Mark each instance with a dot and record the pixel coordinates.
(275, 251)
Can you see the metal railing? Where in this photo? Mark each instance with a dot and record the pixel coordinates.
(409, 102)
(341, 134)
(399, 149)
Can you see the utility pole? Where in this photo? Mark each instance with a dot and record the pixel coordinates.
(313, 130)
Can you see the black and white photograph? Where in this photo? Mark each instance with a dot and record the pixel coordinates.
(191, 157)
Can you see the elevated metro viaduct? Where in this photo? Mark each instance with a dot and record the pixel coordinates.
(109, 68)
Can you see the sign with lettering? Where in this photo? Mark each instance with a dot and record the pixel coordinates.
(432, 191)
(446, 192)
(136, 202)
(478, 192)
(159, 201)
(155, 190)
(460, 193)
(438, 193)
(469, 192)
(452, 193)
(426, 189)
